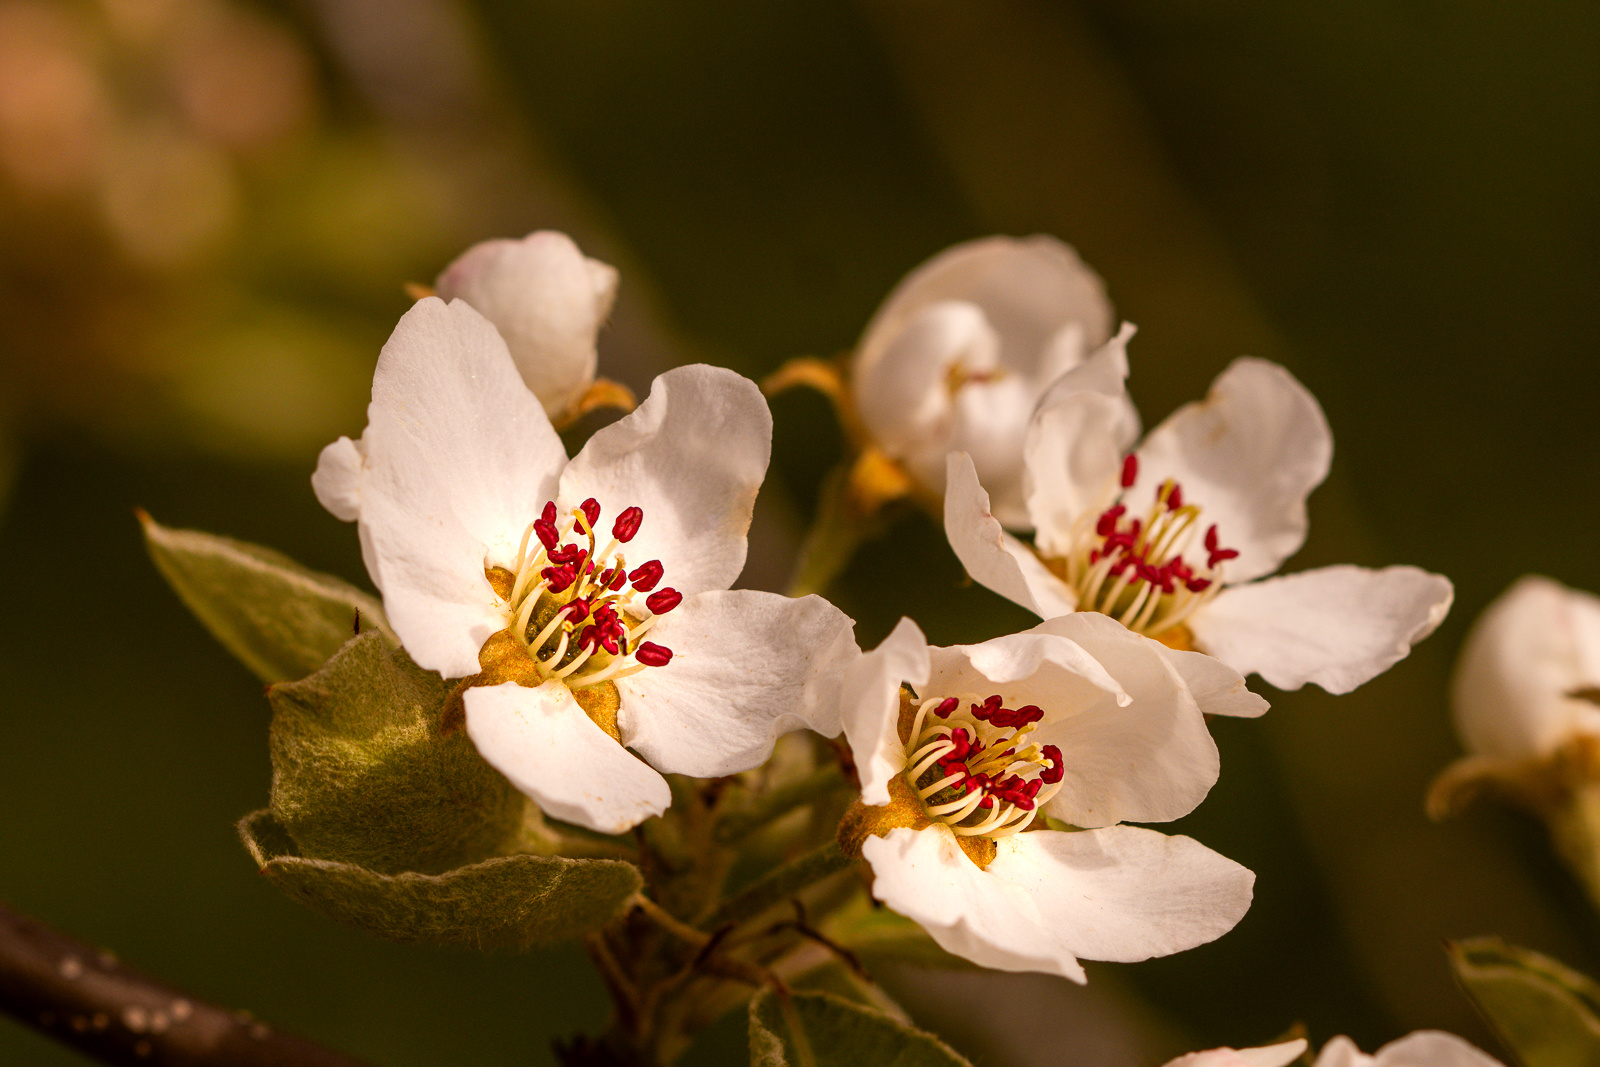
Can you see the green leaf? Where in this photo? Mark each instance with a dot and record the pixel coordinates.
(838, 1033)
(1545, 1012)
(503, 902)
(282, 620)
(367, 768)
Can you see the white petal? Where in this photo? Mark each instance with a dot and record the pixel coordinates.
(1064, 676)
(903, 395)
(1122, 893)
(1149, 758)
(990, 423)
(459, 458)
(1028, 288)
(1249, 454)
(870, 705)
(1342, 1052)
(1126, 893)
(546, 299)
(747, 666)
(1538, 642)
(924, 875)
(993, 557)
(1217, 688)
(1075, 446)
(337, 479)
(1280, 1055)
(1335, 626)
(691, 457)
(544, 743)
(1430, 1048)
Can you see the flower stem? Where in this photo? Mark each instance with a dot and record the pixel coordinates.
(779, 884)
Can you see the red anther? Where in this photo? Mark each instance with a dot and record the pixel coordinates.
(568, 553)
(663, 600)
(1004, 718)
(1198, 585)
(1057, 768)
(1029, 713)
(1175, 498)
(1107, 523)
(546, 531)
(653, 655)
(591, 511)
(645, 576)
(548, 515)
(560, 578)
(590, 638)
(1211, 538)
(946, 706)
(627, 524)
(618, 580)
(1220, 555)
(987, 803)
(1032, 788)
(577, 610)
(1130, 470)
(955, 767)
(983, 711)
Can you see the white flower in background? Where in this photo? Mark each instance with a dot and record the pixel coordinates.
(586, 601)
(1280, 1055)
(548, 300)
(1170, 538)
(960, 352)
(1424, 1048)
(1526, 696)
(1078, 719)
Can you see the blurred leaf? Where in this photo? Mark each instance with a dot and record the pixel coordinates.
(365, 769)
(282, 620)
(1547, 1013)
(505, 902)
(839, 1034)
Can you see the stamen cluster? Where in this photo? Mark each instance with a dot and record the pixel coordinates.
(574, 607)
(979, 778)
(1134, 569)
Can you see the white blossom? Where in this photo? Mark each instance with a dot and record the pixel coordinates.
(1422, 1048)
(587, 600)
(1173, 537)
(1077, 719)
(960, 352)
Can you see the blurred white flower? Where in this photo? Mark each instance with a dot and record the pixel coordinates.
(501, 562)
(1526, 697)
(1424, 1048)
(548, 300)
(1078, 719)
(1169, 538)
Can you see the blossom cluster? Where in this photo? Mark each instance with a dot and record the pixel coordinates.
(585, 603)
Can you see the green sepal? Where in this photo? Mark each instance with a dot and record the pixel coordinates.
(1545, 1012)
(282, 620)
(368, 769)
(838, 1033)
(503, 902)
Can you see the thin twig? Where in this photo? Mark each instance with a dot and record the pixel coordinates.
(85, 999)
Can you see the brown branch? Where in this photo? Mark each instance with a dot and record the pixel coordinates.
(85, 999)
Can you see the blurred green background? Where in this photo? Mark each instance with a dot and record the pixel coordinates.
(208, 208)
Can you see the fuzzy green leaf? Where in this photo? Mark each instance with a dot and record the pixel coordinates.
(366, 770)
(1546, 1012)
(503, 902)
(839, 1033)
(282, 620)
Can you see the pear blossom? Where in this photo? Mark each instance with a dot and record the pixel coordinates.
(1173, 537)
(1279, 1055)
(1422, 1048)
(1526, 695)
(961, 351)
(585, 602)
(547, 299)
(960, 750)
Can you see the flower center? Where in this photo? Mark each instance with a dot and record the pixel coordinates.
(1135, 569)
(575, 608)
(976, 773)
